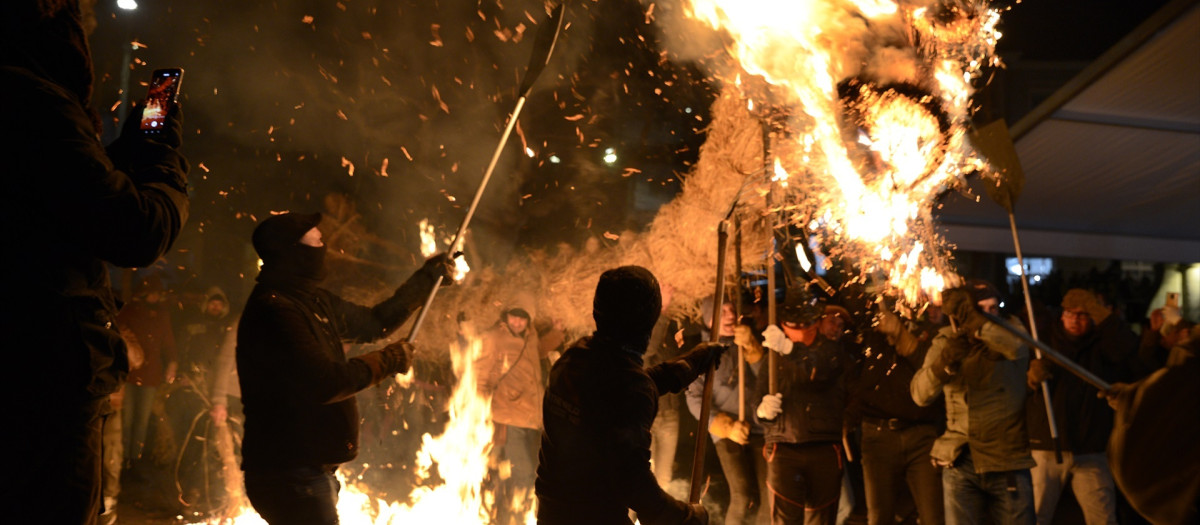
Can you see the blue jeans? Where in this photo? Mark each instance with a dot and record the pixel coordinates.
(299, 495)
(1090, 479)
(135, 418)
(1005, 496)
(745, 471)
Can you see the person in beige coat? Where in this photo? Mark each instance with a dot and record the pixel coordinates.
(510, 370)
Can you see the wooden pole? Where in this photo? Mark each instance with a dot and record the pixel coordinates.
(706, 401)
(1012, 221)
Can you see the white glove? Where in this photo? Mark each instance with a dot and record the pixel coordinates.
(771, 406)
(777, 340)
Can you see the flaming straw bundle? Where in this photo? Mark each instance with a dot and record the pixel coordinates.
(876, 99)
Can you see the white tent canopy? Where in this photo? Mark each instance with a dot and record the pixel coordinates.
(1111, 160)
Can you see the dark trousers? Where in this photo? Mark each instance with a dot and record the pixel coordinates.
(745, 471)
(893, 458)
(56, 477)
(299, 495)
(805, 482)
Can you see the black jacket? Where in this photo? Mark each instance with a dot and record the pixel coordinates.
(297, 385)
(70, 208)
(594, 463)
(1085, 421)
(812, 381)
(879, 384)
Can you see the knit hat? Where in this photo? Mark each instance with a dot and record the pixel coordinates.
(627, 304)
(282, 231)
(800, 307)
(981, 290)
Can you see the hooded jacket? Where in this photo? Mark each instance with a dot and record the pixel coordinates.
(594, 463)
(510, 367)
(72, 207)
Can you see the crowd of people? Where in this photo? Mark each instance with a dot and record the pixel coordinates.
(943, 417)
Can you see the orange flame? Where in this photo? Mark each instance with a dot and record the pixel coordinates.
(878, 95)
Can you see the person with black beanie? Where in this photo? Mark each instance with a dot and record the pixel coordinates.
(595, 458)
(297, 384)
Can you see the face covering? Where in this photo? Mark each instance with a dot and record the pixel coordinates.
(298, 265)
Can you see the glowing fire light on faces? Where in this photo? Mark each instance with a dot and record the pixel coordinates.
(875, 132)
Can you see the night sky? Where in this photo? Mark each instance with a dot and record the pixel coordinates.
(282, 100)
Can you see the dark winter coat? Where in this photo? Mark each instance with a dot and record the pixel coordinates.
(879, 387)
(595, 455)
(70, 208)
(812, 381)
(1085, 421)
(297, 385)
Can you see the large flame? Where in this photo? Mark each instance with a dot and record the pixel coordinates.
(877, 98)
(459, 455)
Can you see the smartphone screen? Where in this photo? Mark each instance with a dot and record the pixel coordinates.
(164, 86)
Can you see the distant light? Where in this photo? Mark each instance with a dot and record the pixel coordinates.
(128, 5)
(688, 110)
(610, 156)
(554, 159)
(1001, 304)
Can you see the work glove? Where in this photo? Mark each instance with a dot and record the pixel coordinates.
(705, 355)
(776, 340)
(1039, 370)
(743, 337)
(390, 360)
(770, 407)
(947, 363)
(723, 426)
(958, 303)
(440, 265)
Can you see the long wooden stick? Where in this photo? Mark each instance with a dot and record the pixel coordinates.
(1052, 354)
(543, 47)
(737, 309)
(713, 335)
(1012, 221)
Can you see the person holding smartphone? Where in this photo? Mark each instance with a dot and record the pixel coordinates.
(70, 207)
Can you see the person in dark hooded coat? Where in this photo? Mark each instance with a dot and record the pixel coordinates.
(70, 206)
(598, 409)
(297, 384)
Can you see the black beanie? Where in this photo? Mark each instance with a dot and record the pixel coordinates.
(627, 304)
(981, 290)
(280, 232)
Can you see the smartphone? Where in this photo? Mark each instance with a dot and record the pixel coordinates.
(164, 88)
(1173, 299)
